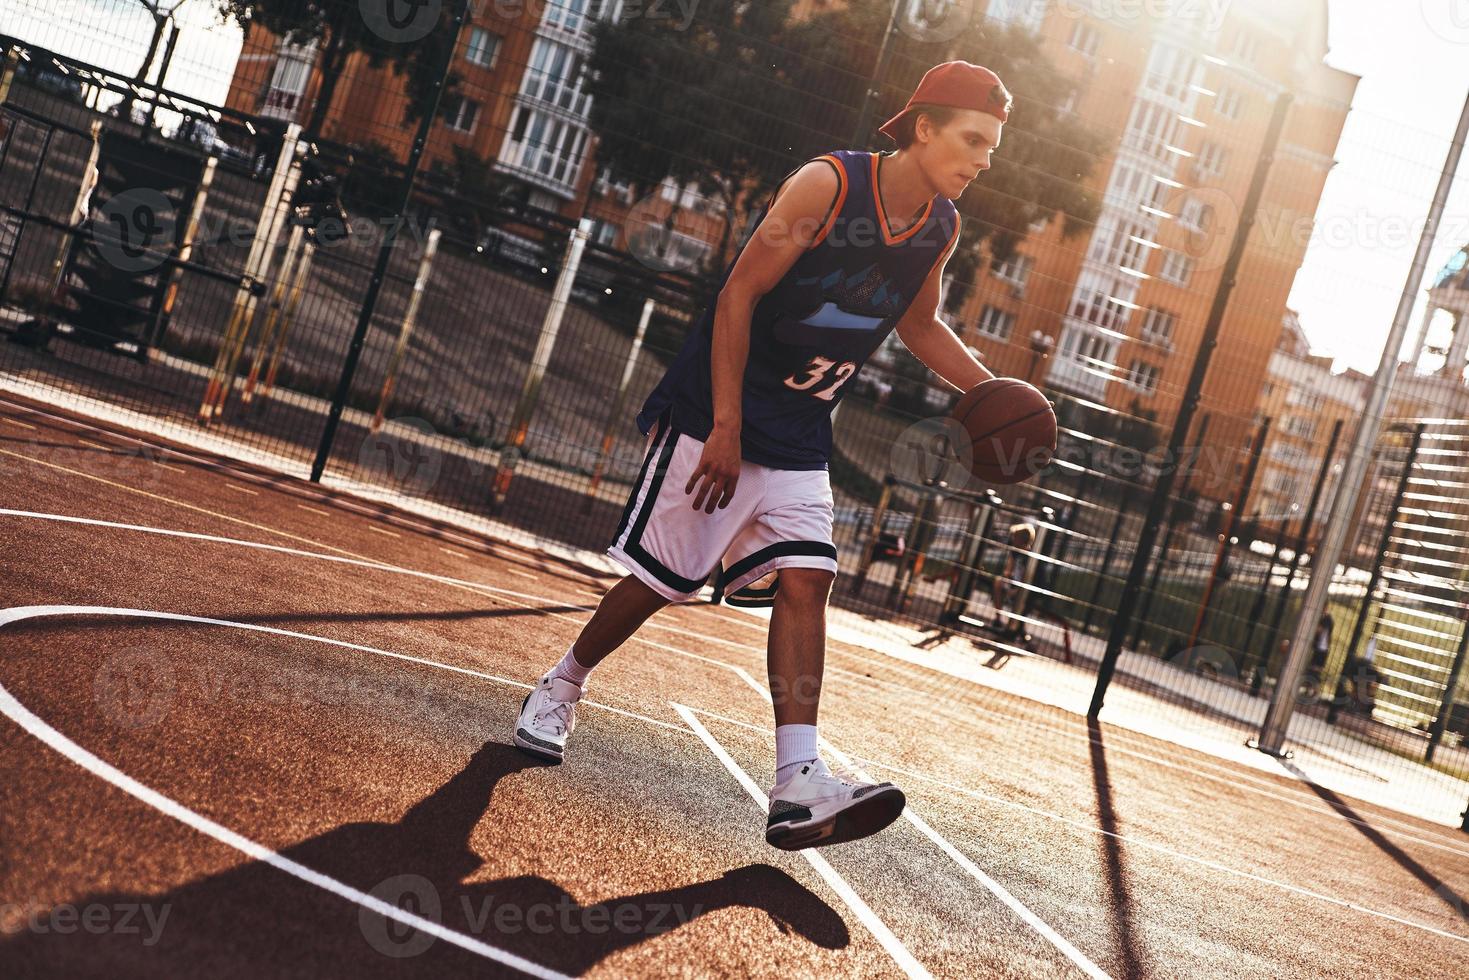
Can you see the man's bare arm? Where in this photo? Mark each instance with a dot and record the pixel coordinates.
(787, 230)
(933, 342)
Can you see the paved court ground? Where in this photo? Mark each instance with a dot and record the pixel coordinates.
(252, 727)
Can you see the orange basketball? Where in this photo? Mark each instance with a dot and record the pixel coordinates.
(1012, 430)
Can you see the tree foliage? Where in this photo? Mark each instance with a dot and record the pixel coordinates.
(744, 94)
(340, 29)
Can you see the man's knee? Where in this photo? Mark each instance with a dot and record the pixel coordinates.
(805, 585)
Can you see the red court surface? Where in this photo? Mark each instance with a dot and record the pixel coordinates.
(255, 728)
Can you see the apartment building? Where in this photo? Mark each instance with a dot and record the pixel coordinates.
(1184, 103)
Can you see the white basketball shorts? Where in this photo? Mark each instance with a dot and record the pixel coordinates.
(776, 519)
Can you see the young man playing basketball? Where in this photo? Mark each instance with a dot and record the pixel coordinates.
(851, 247)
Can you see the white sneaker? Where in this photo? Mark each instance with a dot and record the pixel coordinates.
(546, 717)
(815, 807)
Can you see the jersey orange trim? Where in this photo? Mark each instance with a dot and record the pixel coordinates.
(949, 248)
(841, 199)
(882, 216)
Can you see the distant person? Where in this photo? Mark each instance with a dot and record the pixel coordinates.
(1007, 592)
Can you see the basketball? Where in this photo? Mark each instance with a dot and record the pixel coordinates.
(1011, 427)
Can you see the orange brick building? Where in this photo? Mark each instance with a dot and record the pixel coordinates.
(1185, 105)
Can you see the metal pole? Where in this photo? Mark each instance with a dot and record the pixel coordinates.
(405, 331)
(1451, 689)
(1163, 490)
(540, 360)
(879, 75)
(385, 251)
(186, 251)
(1258, 609)
(963, 586)
(277, 290)
(1169, 526)
(1376, 579)
(293, 305)
(870, 548)
(1303, 540)
(614, 417)
(1086, 624)
(173, 39)
(1221, 557)
(1386, 541)
(1282, 702)
(277, 202)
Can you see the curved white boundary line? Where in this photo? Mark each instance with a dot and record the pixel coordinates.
(33, 724)
(1233, 777)
(745, 676)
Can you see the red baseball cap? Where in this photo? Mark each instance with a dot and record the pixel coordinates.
(961, 85)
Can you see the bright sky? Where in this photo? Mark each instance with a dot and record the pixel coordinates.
(1414, 64)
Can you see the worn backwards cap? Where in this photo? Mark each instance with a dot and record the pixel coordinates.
(959, 85)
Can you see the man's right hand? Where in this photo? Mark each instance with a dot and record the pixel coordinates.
(718, 470)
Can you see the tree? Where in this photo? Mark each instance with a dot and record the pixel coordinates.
(339, 30)
(744, 95)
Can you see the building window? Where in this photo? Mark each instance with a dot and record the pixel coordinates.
(1144, 376)
(1015, 270)
(1195, 215)
(1132, 189)
(545, 145)
(1177, 268)
(484, 48)
(996, 323)
(1246, 47)
(460, 113)
(1229, 103)
(572, 15)
(1158, 326)
(1301, 426)
(1210, 160)
(605, 232)
(1094, 352)
(606, 187)
(1123, 244)
(1151, 129)
(554, 76)
(1084, 38)
(1170, 72)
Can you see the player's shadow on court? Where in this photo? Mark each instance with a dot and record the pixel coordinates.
(255, 919)
(1113, 860)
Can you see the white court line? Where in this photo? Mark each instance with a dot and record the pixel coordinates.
(1239, 780)
(895, 948)
(1235, 779)
(451, 552)
(168, 806)
(253, 493)
(995, 888)
(170, 466)
(391, 534)
(1092, 829)
(518, 574)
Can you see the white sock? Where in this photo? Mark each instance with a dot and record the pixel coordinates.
(794, 744)
(568, 669)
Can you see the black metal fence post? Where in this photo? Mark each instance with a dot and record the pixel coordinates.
(1302, 540)
(1241, 500)
(385, 252)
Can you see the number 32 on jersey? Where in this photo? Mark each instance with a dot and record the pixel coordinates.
(815, 372)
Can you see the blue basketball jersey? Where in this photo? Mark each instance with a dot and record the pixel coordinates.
(811, 334)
